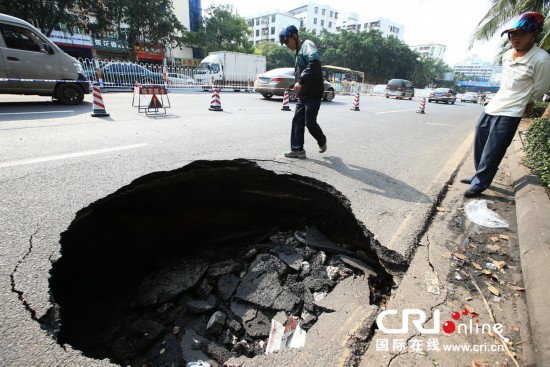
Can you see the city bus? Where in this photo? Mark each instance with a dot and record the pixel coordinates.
(343, 78)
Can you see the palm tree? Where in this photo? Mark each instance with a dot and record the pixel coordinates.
(501, 12)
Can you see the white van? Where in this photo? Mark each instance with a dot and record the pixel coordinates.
(27, 57)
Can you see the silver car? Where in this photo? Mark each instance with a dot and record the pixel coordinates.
(275, 81)
(469, 97)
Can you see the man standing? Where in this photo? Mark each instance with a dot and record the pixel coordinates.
(309, 89)
(525, 78)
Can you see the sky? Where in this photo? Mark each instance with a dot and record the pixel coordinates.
(447, 22)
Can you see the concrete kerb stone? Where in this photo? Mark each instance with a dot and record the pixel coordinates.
(533, 213)
(425, 287)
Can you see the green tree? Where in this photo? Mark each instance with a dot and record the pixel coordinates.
(44, 14)
(429, 71)
(153, 22)
(276, 56)
(221, 30)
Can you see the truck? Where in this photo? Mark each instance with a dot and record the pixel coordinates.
(227, 69)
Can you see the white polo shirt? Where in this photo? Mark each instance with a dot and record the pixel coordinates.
(524, 80)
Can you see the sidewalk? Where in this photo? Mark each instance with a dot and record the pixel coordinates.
(472, 275)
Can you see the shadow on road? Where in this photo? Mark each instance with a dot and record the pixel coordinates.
(380, 183)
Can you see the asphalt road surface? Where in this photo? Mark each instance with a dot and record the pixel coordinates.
(388, 160)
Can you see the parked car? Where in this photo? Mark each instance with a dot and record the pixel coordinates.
(37, 66)
(469, 97)
(378, 90)
(125, 74)
(399, 88)
(488, 97)
(275, 81)
(446, 95)
(179, 79)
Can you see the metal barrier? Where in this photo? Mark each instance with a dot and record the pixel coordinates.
(125, 74)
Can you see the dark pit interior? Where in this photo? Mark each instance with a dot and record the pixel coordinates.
(166, 259)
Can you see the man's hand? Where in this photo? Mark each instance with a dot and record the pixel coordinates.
(297, 87)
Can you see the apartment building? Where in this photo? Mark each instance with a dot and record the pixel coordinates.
(316, 18)
(267, 26)
(352, 21)
(433, 50)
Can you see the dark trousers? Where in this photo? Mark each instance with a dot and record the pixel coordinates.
(306, 115)
(492, 137)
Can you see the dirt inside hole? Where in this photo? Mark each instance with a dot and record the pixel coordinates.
(195, 263)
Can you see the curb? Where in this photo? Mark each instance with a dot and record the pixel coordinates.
(533, 211)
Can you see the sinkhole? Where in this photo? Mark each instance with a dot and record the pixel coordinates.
(193, 264)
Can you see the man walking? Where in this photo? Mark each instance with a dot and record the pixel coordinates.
(309, 89)
(525, 78)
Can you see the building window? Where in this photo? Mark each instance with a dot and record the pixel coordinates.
(316, 10)
(250, 22)
(272, 30)
(258, 21)
(322, 23)
(314, 31)
(330, 24)
(331, 13)
(273, 18)
(314, 20)
(301, 23)
(335, 15)
(257, 33)
(323, 11)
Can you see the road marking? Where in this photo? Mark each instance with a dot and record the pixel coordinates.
(436, 124)
(33, 113)
(442, 176)
(69, 155)
(381, 113)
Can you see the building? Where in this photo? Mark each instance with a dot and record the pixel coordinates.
(188, 13)
(433, 50)
(267, 26)
(478, 74)
(316, 18)
(352, 21)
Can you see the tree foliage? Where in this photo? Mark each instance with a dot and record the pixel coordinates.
(45, 14)
(148, 21)
(221, 30)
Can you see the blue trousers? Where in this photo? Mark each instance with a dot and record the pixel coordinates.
(306, 116)
(493, 135)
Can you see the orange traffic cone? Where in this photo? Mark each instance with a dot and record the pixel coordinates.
(422, 106)
(286, 100)
(355, 104)
(215, 104)
(99, 107)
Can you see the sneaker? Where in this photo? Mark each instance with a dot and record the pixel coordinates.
(323, 148)
(466, 181)
(295, 154)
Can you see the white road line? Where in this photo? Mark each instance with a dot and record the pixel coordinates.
(436, 124)
(381, 113)
(69, 155)
(33, 113)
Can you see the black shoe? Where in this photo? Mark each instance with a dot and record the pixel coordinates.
(471, 193)
(466, 181)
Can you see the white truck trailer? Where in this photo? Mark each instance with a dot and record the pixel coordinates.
(228, 69)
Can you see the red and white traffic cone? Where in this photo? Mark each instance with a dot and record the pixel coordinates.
(286, 101)
(215, 104)
(355, 104)
(99, 106)
(422, 106)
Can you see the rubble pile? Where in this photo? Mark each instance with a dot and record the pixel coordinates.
(202, 308)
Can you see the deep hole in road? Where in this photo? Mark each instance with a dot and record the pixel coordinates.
(195, 263)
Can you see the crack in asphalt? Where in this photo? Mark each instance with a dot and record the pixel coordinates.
(20, 294)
